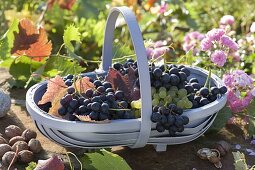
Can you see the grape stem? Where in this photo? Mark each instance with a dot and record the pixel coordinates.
(208, 79)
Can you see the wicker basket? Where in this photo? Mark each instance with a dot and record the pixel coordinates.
(124, 132)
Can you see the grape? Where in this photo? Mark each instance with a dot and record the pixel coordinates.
(70, 90)
(181, 104)
(155, 117)
(186, 71)
(181, 66)
(160, 127)
(204, 91)
(94, 115)
(223, 90)
(136, 104)
(171, 133)
(162, 110)
(155, 109)
(185, 120)
(157, 84)
(103, 97)
(212, 97)
(72, 117)
(62, 111)
(128, 115)
(179, 121)
(163, 119)
(179, 111)
(193, 80)
(63, 101)
(70, 110)
(188, 104)
(101, 89)
(197, 98)
(176, 99)
(97, 83)
(107, 85)
(82, 109)
(69, 76)
(172, 107)
(195, 104)
(162, 94)
(195, 85)
(132, 104)
(155, 102)
(103, 116)
(117, 66)
(173, 71)
(171, 93)
(162, 89)
(68, 82)
(110, 97)
(157, 73)
(182, 76)
(153, 90)
(173, 88)
(96, 99)
(168, 99)
(86, 102)
(215, 90)
(170, 119)
(95, 106)
(189, 88)
(109, 90)
(165, 78)
(204, 101)
(180, 129)
(105, 108)
(156, 96)
(182, 93)
(191, 97)
(174, 79)
(73, 103)
(89, 93)
(81, 100)
(123, 104)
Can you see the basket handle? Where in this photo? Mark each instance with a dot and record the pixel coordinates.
(142, 63)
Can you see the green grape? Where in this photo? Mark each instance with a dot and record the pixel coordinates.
(153, 90)
(133, 104)
(162, 89)
(188, 104)
(168, 99)
(173, 88)
(137, 113)
(161, 102)
(182, 93)
(155, 102)
(162, 94)
(181, 104)
(176, 99)
(156, 96)
(138, 104)
(171, 93)
(185, 98)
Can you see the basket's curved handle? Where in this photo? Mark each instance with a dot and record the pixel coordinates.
(142, 63)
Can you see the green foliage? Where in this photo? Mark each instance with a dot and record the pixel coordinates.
(251, 112)
(71, 33)
(31, 166)
(104, 160)
(221, 119)
(239, 161)
(6, 42)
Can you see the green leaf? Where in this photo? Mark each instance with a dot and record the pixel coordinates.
(21, 69)
(221, 119)
(71, 33)
(61, 65)
(6, 42)
(239, 161)
(251, 112)
(31, 166)
(104, 160)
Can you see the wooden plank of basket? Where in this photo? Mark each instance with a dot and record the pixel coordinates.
(142, 62)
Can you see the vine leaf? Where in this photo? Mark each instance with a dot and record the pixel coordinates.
(71, 33)
(52, 163)
(86, 118)
(54, 86)
(31, 42)
(125, 83)
(83, 84)
(64, 4)
(56, 102)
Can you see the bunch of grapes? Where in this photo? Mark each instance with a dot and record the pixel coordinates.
(99, 103)
(169, 118)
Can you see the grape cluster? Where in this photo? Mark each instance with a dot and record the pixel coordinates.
(99, 103)
(169, 118)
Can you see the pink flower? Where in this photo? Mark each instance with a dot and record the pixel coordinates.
(163, 8)
(228, 80)
(228, 42)
(191, 41)
(215, 34)
(149, 52)
(219, 58)
(236, 106)
(156, 50)
(227, 20)
(236, 56)
(252, 28)
(253, 92)
(206, 44)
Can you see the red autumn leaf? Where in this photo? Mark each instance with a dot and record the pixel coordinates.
(86, 118)
(133, 90)
(83, 84)
(31, 41)
(64, 4)
(54, 86)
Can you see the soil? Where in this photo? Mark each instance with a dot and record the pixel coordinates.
(180, 157)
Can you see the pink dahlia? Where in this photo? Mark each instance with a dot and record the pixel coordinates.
(206, 44)
(215, 34)
(219, 58)
(227, 20)
(228, 42)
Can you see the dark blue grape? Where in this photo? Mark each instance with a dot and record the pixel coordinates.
(191, 97)
(180, 129)
(103, 97)
(109, 90)
(123, 104)
(63, 101)
(185, 120)
(89, 93)
(68, 97)
(95, 106)
(172, 107)
(204, 91)
(181, 66)
(195, 85)
(82, 109)
(86, 102)
(157, 73)
(195, 104)
(81, 100)
(182, 76)
(62, 111)
(160, 127)
(128, 115)
(174, 70)
(104, 107)
(163, 119)
(72, 117)
(107, 84)
(155, 109)
(179, 121)
(68, 82)
(193, 80)
(179, 111)
(69, 76)
(212, 97)
(170, 119)
(110, 97)
(204, 101)
(94, 115)
(197, 98)
(97, 83)
(70, 110)
(174, 80)
(215, 90)
(117, 66)
(223, 90)
(155, 117)
(96, 99)
(165, 78)
(189, 88)
(157, 84)
(73, 103)
(101, 89)
(103, 116)
(186, 71)
(89, 106)
(119, 94)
